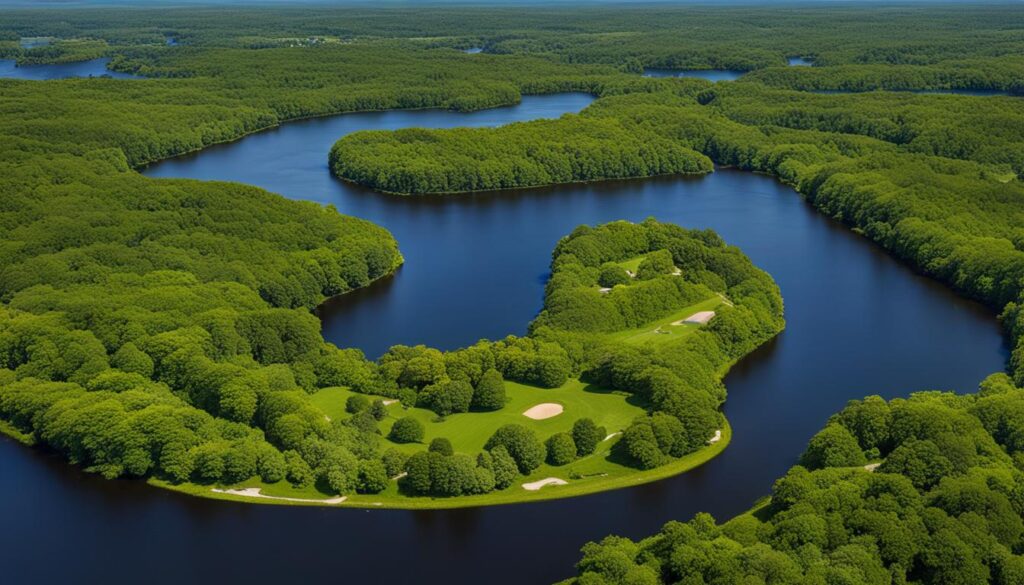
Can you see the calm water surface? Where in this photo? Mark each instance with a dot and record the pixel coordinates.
(858, 323)
(91, 68)
(709, 74)
(799, 62)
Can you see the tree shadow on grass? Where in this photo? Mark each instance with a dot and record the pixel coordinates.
(631, 399)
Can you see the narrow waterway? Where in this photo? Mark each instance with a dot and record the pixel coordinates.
(91, 68)
(858, 323)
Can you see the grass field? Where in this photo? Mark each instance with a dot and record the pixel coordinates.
(663, 330)
(596, 473)
(470, 430)
(605, 469)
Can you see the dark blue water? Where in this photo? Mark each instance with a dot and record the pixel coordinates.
(709, 74)
(858, 323)
(91, 68)
(799, 62)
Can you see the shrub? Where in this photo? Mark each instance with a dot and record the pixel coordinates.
(441, 445)
(612, 274)
(378, 410)
(522, 445)
(833, 446)
(504, 467)
(394, 461)
(406, 430)
(561, 449)
(372, 477)
(356, 403)
(490, 392)
(586, 435)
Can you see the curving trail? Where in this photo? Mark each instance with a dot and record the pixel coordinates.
(475, 268)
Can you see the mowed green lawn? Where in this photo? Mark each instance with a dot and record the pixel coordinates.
(469, 431)
(663, 330)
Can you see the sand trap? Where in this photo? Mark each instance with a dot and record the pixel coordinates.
(255, 493)
(677, 272)
(872, 466)
(389, 402)
(698, 318)
(610, 435)
(543, 411)
(604, 290)
(716, 438)
(536, 485)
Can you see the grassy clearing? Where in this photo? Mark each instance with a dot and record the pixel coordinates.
(469, 431)
(596, 473)
(633, 263)
(605, 469)
(663, 330)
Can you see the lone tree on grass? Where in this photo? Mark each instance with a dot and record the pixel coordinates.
(406, 430)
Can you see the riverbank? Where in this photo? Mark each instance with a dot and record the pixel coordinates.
(516, 494)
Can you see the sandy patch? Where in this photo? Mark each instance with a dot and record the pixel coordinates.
(536, 485)
(698, 318)
(725, 300)
(677, 272)
(255, 493)
(604, 290)
(543, 411)
(610, 435)
(400, 476)
(389, 402)
(716, 438)
(872, 466)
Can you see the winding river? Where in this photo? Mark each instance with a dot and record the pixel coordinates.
(859, 322)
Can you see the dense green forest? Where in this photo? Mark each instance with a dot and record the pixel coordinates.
(528, 154)
(177, 313)
(162, 328)
(941, 501)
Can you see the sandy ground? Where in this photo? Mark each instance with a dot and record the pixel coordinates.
(536, 485)
(698, 318)
(872, 466)
(604, 290)
(716, 438)
(610, 435)
(255, 493)
(389, 402)
(543, 411)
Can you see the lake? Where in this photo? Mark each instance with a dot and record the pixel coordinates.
(859, 323)
(709, 74)
(90, 68)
